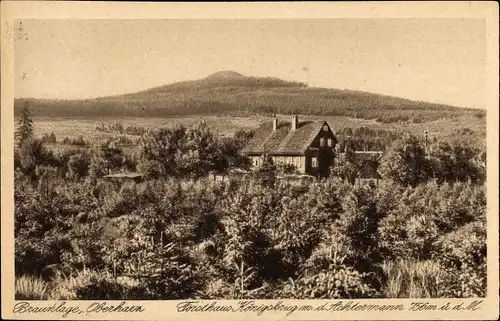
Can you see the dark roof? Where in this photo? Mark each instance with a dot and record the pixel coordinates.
(368, 169)
(283, 140)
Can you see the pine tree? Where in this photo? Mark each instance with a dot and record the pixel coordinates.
(52, 138)
(266, 173)
(25, 128)
(407, 163)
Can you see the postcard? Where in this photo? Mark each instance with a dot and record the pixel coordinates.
(257, 161)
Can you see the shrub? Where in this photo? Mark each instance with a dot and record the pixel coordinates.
(336, 281)
(78, 166)
(164, 268)
(462, 253)
(91, 285)
(355, 232)
(30, 288)
(412, 279)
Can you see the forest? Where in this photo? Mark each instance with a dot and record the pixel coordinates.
(177, 234)
(240, 95)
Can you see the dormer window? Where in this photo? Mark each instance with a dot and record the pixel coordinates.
(325, 128)
(329, 142)
(322, 142)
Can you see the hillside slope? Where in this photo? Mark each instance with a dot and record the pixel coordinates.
(230, 93)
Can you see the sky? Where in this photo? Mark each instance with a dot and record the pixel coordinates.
(435, 60)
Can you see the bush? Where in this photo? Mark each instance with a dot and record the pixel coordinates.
(78, 166)
(32, 153)
(355, 232)
(93, 285)
(412, 279)
(462, 253)
(164, 270)
(30, 288)
(336, 281)
(413, 219)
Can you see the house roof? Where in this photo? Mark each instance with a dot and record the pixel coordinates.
(368, 169)
(283, 140)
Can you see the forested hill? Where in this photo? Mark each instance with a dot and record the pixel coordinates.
(230, 93)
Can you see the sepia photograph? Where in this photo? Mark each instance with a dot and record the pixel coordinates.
(250, 159)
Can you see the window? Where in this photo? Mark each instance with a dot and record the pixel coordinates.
(256, 161)
(329, 142)
(325, 128)
(314, 162)
(322, 142)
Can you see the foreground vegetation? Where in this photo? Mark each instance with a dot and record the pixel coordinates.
(178, 234)
(167, 239)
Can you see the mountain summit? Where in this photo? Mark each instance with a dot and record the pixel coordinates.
(225, 74)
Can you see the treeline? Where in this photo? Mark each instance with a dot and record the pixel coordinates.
(409, 162)
(190, 152)
(165, 152)
(235, 97)
(120, 129)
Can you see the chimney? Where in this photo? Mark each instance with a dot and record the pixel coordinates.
(295, 122)
(275, 123)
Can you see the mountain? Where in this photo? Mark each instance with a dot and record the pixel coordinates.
(226, 74)
(231, 93)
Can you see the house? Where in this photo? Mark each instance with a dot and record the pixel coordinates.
(308, 145)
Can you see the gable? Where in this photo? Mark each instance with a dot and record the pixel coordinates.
(328, 134)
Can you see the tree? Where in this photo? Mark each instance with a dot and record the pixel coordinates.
(182, 152)
(157, 151)
(105, 158)
(198, 152)
(241, 138)
(25, 127)
(78, 166)
(266, 173)
(347, 168)
(230, 151)
(406, 163)
(32, 153)
(456, 162)
(53, 138)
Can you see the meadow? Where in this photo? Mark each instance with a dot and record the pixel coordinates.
(442, 129)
